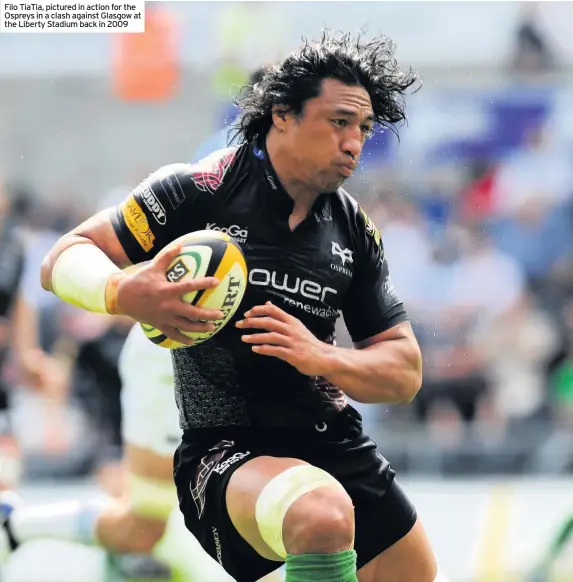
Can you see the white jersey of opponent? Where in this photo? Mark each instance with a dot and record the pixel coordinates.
(150, 415)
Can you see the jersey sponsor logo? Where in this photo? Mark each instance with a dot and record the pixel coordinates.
(153, 205)
(343, 254)
(341, 269)
(290, 284)
(389, 291)
(238, 233)
(137, 223)
(322, 312)
(208, 174)
(222, 467)
(371, 229)
(173, 190)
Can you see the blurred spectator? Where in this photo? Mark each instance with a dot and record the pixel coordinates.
(444, 322)
(516, 348)
(531, 49)
(540, 169)
(538, 236)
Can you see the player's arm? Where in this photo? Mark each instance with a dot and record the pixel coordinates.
(84, 268)
(97, 231)
(385, 368)
(387, 364)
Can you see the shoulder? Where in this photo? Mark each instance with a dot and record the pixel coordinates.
(362, 226)
(209, 173)
(206, 174)
(183, 182)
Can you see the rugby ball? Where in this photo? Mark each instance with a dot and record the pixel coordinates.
(206, 253)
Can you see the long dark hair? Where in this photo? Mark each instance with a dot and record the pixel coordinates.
(352, 60)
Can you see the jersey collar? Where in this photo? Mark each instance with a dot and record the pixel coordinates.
(277, 195)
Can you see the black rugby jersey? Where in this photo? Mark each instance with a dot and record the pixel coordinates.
(333, 263)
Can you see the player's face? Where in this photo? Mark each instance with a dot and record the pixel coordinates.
(328, 137)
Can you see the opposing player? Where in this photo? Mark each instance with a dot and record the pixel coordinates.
(146, 520)
(273, 464)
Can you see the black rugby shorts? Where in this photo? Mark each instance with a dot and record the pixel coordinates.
(207, 458)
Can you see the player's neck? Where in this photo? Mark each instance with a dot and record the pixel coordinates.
(303, 196)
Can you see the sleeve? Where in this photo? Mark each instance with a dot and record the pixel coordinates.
(167, 204)
(371, 305)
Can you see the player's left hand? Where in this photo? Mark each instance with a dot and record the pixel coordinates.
(284, 337)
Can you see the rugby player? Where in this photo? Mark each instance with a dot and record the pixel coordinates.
(146, 519)
(273, 465)
(150, 431)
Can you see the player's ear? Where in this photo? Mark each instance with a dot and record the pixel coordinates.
(280, 117)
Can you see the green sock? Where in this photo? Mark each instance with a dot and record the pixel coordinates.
(339, 567)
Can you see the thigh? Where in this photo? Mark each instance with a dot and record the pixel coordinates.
(150, 416)
(150, 493)
(202, 482)
(410, 559)
(383, 513)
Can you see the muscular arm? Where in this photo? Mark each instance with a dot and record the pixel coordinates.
(98, 231)
(383, 368)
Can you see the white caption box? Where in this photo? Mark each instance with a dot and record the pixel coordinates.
(76, 17)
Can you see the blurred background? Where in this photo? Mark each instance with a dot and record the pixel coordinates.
(475, 206)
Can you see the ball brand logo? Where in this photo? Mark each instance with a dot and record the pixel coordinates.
(230, 298)
(177, 271)
(180, 268)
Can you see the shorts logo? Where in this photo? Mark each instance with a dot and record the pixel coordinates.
(222, 467)
(137, 223)
(153, 205)
(218, 548)
(204, 472)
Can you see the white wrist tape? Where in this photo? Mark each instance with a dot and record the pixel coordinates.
(80, 276)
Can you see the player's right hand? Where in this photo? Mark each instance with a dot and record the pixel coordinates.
(147, 296)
